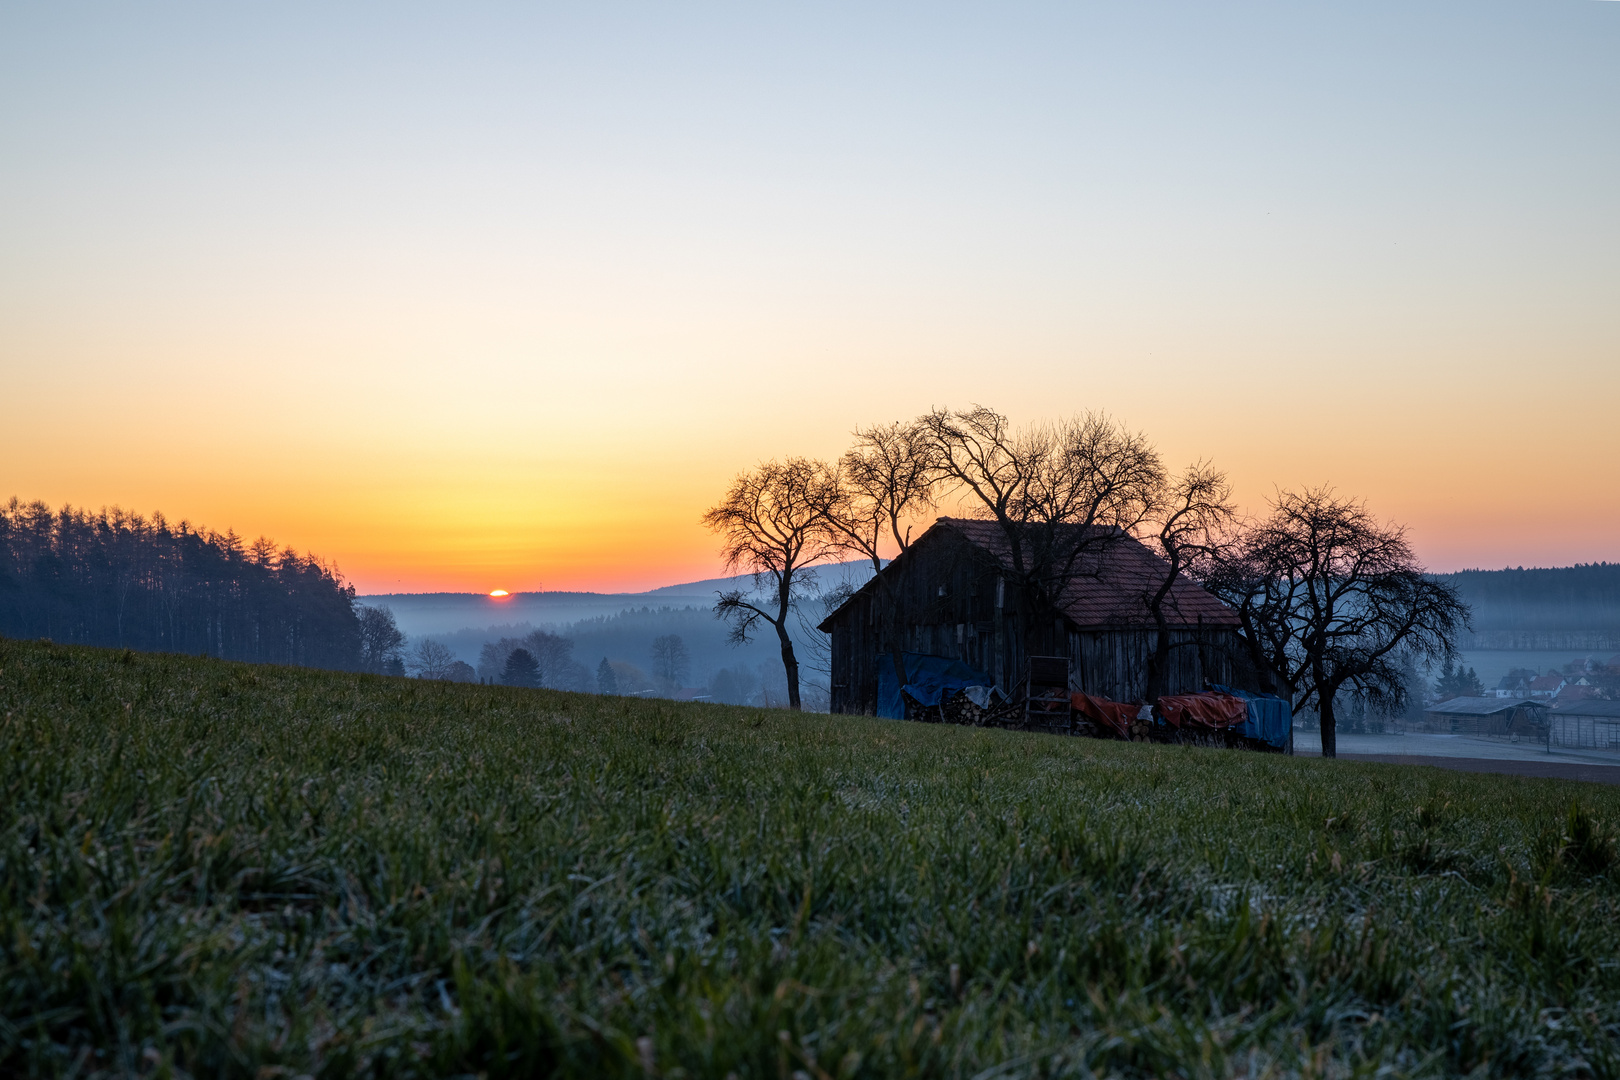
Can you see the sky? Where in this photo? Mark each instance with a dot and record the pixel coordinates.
(475, 296)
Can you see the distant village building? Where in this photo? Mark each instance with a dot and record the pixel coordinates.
(1546, 686)
(1574, 692)
(953, 601)
(1515, 684)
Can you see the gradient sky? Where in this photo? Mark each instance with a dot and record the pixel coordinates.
(470, 296)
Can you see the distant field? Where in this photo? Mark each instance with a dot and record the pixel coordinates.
(222, 870)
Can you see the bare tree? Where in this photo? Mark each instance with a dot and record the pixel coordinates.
(380, 640)
(1190, 515)
(555, 667)
(876, 491)
(492, 658)
(671, 661)
(1333, 601)
(431, 660)
(771, 526)
(1062, 493)
(553, 655)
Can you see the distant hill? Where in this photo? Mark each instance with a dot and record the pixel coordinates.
(1561, 607)
(618, 626)
(857, 573)
(442, 613)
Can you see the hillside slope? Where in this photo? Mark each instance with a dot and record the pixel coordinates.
(1567, 606)
(216, 869)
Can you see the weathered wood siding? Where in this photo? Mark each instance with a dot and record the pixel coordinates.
(1113, 663)
(951, 604)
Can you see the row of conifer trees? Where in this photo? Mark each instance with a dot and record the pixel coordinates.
(116, 578)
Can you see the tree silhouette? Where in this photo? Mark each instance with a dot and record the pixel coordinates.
(671, 661)
(431, 660)
(381, 641)
(867, 509)
(551, 653)
(1062, 494)
(772, 526)
(1457, 681)
(606, 681)
(1189, 517)
(521, 669)
(116, 578)
(1333, 600)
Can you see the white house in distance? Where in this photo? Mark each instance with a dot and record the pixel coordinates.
(1547, 686)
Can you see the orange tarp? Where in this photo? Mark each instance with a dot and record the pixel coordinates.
(1203, 710)
(1113, 715)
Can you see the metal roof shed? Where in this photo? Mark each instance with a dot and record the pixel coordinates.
(1489, 715)
(1584, 725)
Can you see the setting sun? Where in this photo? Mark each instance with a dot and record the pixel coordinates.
(499, 594)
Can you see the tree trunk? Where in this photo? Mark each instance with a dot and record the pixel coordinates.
(790, 664)
(891, 629)
(1159, 661)
(1324, 709)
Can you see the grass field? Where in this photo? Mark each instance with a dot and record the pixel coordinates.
(221, 870)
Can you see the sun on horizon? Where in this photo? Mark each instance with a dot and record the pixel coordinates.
(499, 594)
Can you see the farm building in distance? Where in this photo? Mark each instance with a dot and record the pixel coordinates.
(1489, 716)
(1584, 725)
(953, 602)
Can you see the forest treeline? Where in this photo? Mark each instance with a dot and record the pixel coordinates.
(117, 578)
(1581, 597)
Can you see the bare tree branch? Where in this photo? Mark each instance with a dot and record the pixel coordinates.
(1062, 493)
(772, 525)
(1332, 601)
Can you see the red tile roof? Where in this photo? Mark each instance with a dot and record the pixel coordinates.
(1112, 584)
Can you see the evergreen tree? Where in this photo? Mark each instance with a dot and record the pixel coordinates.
(521, 669)
(606, 681)
(116, 578)
(1457, 682)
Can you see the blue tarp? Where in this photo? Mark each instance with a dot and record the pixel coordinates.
(1270, 717)
(928, 679)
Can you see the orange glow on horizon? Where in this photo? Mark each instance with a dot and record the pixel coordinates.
(539, 357)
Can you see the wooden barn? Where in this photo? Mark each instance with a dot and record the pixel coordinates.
(948, 597)
(1489, 716)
